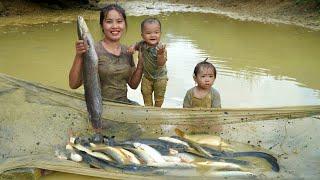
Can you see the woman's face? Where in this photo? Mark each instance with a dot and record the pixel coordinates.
(113, 25)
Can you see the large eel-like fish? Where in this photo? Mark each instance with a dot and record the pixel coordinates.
(91, 80)
(216, 153)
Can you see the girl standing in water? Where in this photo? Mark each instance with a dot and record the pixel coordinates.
(203, 95)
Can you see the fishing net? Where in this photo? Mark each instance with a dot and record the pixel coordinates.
(37, 120)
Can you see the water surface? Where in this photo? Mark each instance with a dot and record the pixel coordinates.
(259, 65)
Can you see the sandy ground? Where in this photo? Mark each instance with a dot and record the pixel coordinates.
(20, 12)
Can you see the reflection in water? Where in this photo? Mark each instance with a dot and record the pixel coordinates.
(259, 65)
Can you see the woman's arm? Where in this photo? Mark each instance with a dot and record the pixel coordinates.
(136, 75)
(75, 74)
(133, 48)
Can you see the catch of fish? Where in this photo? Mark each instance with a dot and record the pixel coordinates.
(148, 155)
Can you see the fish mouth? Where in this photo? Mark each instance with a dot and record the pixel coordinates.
(82, 27)
(80, 19)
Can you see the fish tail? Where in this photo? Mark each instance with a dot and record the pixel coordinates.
(179, 132)
(94, 161)
(96, 123)
(268, 157)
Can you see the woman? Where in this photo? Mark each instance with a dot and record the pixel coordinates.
(116, 67)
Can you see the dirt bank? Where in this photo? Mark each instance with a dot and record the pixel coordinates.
(278, 11)
(285, 11)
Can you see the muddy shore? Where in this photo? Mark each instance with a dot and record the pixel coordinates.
(23, 12)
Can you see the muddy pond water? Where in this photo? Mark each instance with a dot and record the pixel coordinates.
(259, 65)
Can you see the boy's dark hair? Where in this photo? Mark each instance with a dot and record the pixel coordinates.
(105, 10)
(150, 21)
(204, 64)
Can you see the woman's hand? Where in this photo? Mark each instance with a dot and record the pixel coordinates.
(137, 73)
(75, 74)
(131, 49)
(81, 47)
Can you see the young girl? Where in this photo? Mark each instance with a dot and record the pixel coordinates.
(154, 55)
(203, 95)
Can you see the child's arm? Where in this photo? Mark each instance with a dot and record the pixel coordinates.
(161, 54)
(187, 100)
(216, 99)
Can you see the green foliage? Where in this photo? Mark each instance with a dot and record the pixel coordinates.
(317, 3)
(305, 1)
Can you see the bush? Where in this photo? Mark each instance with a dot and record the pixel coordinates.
(306, 1)
(315, 3)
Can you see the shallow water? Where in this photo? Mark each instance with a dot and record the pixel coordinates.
(259, 65)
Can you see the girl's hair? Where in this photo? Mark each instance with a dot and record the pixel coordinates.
(204, 64)
(105, 10)
(150, 21)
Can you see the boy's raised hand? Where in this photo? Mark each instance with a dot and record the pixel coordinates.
(161, 48)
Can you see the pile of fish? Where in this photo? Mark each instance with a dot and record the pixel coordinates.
(177, 152)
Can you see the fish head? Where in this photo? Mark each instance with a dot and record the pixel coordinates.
(109, 140)
(82, 27)
(136, 144)
(97, 138)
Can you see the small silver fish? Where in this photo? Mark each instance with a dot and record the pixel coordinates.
(220, 166)
(116, 154)
(178, 165)
(130, 156)
(171, 158)
(231, 174)
(186, 157)
(151, 151)
(88, 151)
(174, 140)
